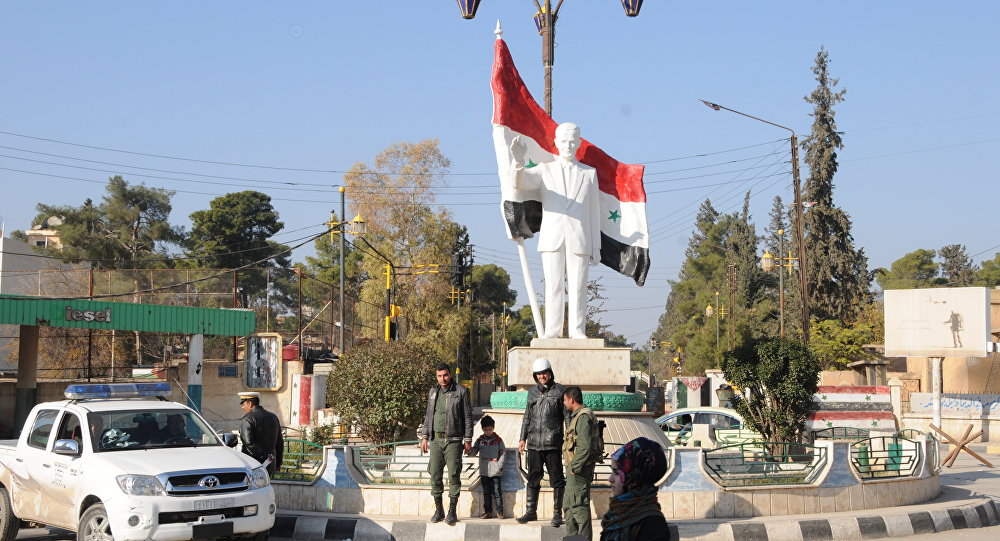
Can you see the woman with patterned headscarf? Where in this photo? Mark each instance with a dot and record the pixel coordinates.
(634, 513)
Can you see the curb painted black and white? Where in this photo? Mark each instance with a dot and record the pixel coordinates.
(977, 514)
(985, 512)
(364, 529)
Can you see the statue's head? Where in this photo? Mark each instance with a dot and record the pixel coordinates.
(567, 140)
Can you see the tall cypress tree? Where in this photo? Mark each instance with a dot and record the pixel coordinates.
(837, 272)
(746, 283)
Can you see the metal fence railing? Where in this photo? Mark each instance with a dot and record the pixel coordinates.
(765, 463)
(301, 461)
(885, 456)
(402, 463)
(302, 308)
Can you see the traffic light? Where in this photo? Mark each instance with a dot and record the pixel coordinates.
(457, 270)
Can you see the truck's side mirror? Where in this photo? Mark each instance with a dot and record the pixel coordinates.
(229, 439)
(66, 447)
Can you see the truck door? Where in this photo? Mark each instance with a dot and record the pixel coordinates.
(26, 489)
(59, 492)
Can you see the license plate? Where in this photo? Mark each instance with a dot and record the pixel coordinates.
(218, 503)
(211, 531)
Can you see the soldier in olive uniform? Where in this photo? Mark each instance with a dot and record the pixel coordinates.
(446, 433)
(579, 455)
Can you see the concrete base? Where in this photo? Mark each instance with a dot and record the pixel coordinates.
(583, 362)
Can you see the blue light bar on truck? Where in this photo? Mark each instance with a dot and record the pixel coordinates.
(118, 390)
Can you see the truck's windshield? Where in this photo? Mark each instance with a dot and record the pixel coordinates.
(147, 429)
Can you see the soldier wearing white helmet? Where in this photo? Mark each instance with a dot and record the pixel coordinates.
(542, 439)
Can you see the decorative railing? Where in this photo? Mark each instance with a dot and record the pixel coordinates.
(402, 463)
(301, 461)
(933, 454)
(848, 433)
(733, 436)
(765, 463)
(885, 456)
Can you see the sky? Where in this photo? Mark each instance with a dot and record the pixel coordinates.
(206, 98)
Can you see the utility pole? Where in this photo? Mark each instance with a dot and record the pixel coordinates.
(799, 226)
(343, 244)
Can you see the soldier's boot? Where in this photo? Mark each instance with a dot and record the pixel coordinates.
(452, 518)
(438, 510)
(557, 502)
(531, 506)
(498, 503)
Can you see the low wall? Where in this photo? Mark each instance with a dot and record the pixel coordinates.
(688, 491)
(958, 411)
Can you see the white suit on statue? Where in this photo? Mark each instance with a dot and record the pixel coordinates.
(570, 235)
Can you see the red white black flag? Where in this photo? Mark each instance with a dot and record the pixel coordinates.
(624, 232)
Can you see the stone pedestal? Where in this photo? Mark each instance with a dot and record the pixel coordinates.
(583, 362)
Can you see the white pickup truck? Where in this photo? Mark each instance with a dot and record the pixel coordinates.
(120, 462)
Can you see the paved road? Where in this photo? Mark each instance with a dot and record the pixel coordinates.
(967, 477)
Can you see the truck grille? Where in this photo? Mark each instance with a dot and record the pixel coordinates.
(206, 482)
(192, 516)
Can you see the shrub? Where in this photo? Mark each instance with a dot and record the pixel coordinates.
(381, 388)
(777, 379)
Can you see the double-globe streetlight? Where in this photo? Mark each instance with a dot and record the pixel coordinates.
(545, 22)
(799, 234)
(767, 262)
(718, 311)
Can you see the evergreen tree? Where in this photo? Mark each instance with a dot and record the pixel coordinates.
(837, 272)
(746, 282)
(703, 272)
(956, 267)
(914, 270)
(989, 272)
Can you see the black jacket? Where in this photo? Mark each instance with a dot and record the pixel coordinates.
(459, 411)
(261, 434)
(544, 418)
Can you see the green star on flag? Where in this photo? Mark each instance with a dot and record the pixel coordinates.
(829, 424)
(530, 164)
(822, 397)
(874, 423)
(614, 216)
(868, 398)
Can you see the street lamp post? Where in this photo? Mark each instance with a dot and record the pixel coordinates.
(718, 310)
(354, 227)
(767, 262)
(545, 22)
(799, 234)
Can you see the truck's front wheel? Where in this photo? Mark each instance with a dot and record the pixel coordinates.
(94, 525)
(8, 522)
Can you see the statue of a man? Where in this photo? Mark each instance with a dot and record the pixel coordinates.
(570, 235)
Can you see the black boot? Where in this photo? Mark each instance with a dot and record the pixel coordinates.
(531, 505)
(557, 503)
(498, 503)
(438, 510)
(451, 519)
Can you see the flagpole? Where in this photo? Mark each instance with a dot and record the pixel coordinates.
(536, 313)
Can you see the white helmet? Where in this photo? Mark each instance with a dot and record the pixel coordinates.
(541, 364)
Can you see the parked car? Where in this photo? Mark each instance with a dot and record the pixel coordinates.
(678, 424)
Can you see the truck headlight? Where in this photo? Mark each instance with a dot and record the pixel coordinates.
(259, 478)
(140, 485)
